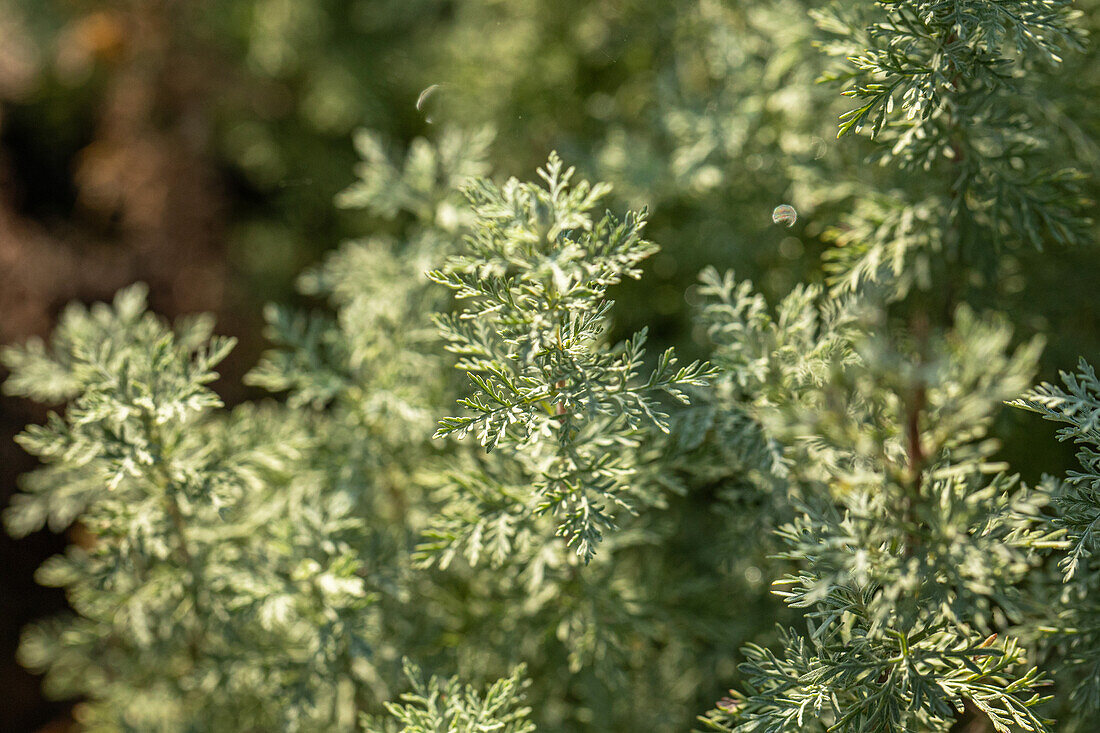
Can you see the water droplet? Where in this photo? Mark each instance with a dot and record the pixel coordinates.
(424, 101)
(784, 214)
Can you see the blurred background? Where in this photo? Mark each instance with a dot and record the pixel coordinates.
(197, 145)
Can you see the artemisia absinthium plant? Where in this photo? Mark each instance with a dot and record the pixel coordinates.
(548, 393)
(1071, 619)
(219, 584)
(447, 705)
(253, 569)
(914, 552)
(249, 569)
(950, 92)
(337, 497)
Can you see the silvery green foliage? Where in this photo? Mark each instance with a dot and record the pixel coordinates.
(446, 705)
(218, 584)
(614, 643)
(377, 288)
(1076, 405)
(905, 562)
(367, 378)
(950, 90)
(548, 391)
(747, 71)
(367, 375)
(918, 559)
(766, 361)
(927, 682)
(920, 53)
(173, 630)
(425, 185)
(884, 457)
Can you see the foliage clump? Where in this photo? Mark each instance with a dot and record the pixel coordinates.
(616, 527)
(530, 335)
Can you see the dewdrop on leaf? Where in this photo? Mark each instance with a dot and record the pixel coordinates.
(422, 102)
(784, 214)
